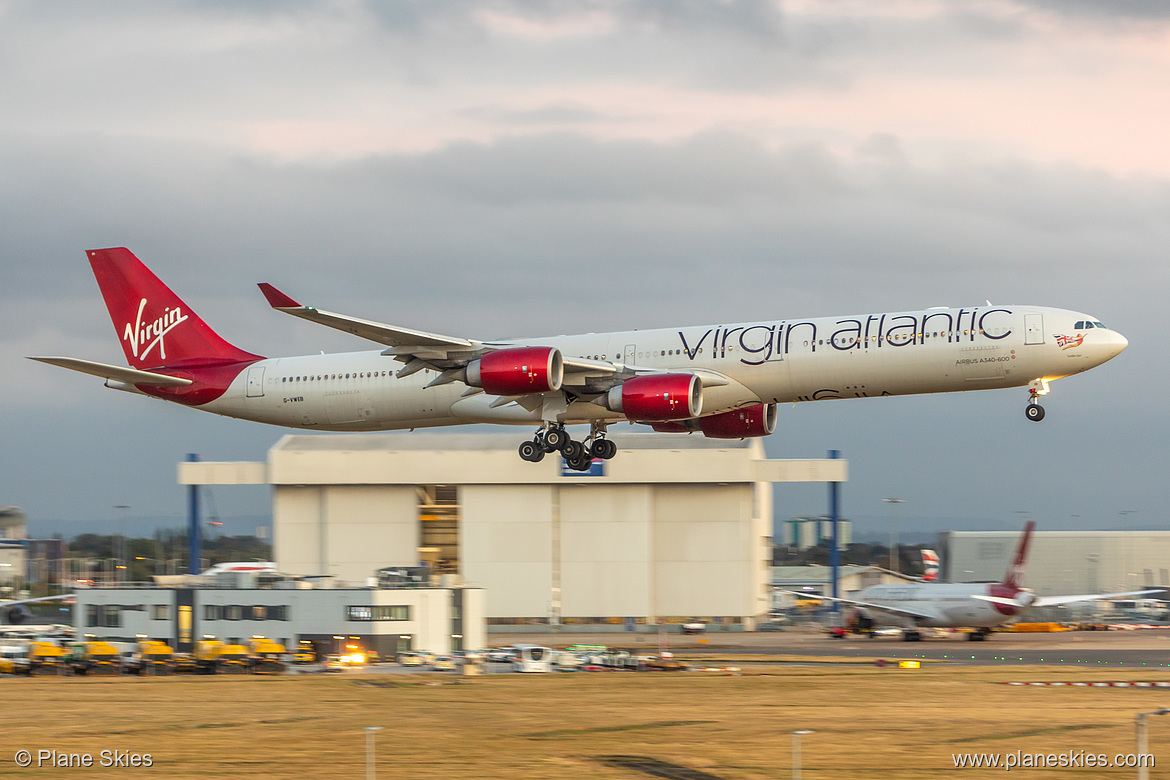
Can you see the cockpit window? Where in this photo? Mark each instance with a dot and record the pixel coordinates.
(1098, 325)
(1079, 325)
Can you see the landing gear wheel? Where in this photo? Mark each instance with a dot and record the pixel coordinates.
(912, 636)
(573, 450)
(1034, 412)
(581, 464)
(603, 448)
(555, 438)
(531, 451)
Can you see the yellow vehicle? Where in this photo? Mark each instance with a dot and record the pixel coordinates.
(155, 658)
(444, 663)
(46, 659)
(415, 659)
(266, 656)
(214, 657)
(13, 660)
(187, 663)
(233, 659)
(306, 653)
(96, 659)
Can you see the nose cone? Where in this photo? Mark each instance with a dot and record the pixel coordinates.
(1112, 345)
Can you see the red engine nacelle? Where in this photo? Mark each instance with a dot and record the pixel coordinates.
(517, 371)
(746, 423)
(658, 397)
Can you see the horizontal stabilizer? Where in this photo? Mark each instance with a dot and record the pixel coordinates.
(130, 376)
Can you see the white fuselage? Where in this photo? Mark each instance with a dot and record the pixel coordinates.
(952, 606)
(931, 351)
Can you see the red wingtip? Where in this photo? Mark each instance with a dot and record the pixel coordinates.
(277, 299)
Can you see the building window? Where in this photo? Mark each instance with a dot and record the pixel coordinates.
(112, 616)
(211, 612)
(91, 615)
(278, 613)
(233, 612)
(400, 612)
(160, 612)
(259, 612)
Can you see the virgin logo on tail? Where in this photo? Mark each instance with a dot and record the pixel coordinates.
(145, 337)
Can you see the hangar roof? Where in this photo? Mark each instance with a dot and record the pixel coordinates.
(491, 458)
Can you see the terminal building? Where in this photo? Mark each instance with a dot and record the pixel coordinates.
(235, 608)
(674, 528)
(1062, 562)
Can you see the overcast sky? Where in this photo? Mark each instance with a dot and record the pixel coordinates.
(489, 169)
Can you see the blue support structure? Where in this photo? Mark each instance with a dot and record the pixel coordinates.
(194, 529)
(834, 547)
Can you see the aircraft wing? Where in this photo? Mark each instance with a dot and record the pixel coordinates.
(131, 376)
(420, 349)
(1049, 601)
(390, 335)
(910, 613)
(33, 601)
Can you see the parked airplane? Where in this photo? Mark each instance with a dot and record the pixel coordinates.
(977, 606)
(723, 380)
(248, 567)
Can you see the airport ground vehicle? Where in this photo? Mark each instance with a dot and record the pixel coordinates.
(94, 659)
(444, 663)
(154, 658)
(214, 657)
(415, 658)
(13, 660)
(306, 653)
(47, 659)
(694, 627)
(266, 656)
(532, 658)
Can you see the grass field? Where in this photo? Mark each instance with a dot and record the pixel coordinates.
(869, 723)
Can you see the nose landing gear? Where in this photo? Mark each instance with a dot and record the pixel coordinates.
(1036, 388)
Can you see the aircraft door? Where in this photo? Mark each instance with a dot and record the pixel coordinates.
(256, 381)
(631, 354)
(1033, 329)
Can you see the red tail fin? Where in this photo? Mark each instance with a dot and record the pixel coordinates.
(156, 328)
(1015, 572)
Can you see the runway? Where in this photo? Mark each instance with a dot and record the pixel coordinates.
(1149, 648)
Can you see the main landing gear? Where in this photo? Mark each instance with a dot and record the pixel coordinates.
(978, 635)
(1036, 388)
(578, 455)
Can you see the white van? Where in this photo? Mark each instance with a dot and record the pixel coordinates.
(532, 658)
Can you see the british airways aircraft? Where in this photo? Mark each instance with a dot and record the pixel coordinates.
(724, 381)
(939, 605)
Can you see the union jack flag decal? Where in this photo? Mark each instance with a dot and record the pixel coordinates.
(1068, 342)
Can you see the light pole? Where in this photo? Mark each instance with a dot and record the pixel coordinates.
(120, 548)
(1143, 747)
(895, 564)
(796, 735)
(370, 750)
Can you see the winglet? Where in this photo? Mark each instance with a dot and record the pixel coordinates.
(277, 299)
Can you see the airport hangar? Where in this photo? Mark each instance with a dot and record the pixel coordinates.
(676, 527)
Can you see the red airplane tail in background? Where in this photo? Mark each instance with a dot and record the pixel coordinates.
(155, 327)
(1015, 572)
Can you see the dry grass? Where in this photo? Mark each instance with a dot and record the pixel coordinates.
(869, 722)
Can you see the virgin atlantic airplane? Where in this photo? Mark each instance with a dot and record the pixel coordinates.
(721, 380)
